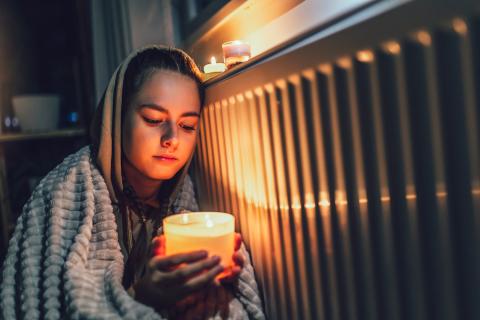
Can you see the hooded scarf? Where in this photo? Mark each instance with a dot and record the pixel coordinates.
(65, 260)
(135, 229)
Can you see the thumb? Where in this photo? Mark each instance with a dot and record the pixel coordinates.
(158, 246)
(238, 241)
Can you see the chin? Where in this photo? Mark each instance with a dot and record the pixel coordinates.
(158, 171)
(162, 175)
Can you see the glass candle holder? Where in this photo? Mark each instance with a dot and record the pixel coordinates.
(235, 52)
(210, 231)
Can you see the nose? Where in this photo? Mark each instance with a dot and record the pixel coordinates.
(170, 138)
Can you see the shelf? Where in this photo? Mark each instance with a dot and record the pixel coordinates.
(63, 133)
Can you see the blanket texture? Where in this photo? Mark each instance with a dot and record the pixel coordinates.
(64, 259)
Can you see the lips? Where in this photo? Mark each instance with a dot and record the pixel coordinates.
(165, 157)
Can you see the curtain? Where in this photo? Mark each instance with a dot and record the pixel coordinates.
(111, 37)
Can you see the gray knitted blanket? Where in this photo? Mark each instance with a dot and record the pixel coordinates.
(64, 259)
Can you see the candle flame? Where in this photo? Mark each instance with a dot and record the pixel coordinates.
(209, 223)
(213, 60)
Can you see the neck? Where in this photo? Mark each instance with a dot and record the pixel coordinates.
(145, 187)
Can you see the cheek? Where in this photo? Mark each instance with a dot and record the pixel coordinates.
(188, 143)
(137, 140)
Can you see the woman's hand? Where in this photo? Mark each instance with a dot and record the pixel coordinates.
(169, 279)
(238, 260)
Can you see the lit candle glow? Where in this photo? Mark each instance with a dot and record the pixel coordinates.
(211, 231)
(214, 67)
(235, 52)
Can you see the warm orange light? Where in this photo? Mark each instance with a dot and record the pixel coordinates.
(214, 67)
(309, 201)
(211, 231)
(392, 47)
(325, 69)
(235, 52)
(296, 206)
(365, 56)
(324, 203)
(344, 62)
(424, 38)
(459, 26)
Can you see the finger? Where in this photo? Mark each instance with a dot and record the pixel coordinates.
(188, 300)
(158, 246)
(181, 305)
(233, 276)
(239, 259)
(202, 280)
(161, 245)
(238, 241)
(166, 262)
(188, 271)
(158, 240)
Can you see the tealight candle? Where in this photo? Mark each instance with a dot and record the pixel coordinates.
(214, 67)
(211, 231)
(235, 52)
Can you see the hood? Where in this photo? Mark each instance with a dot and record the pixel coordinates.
(106, 139)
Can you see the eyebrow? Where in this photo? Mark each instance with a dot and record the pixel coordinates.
(162, 109)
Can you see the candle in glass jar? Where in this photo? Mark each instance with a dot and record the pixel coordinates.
(235, 52)
(211, 231)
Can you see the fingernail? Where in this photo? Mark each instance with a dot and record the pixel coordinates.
(216, 258)
(203, 253)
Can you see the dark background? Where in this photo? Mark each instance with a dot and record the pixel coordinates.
(45, 48)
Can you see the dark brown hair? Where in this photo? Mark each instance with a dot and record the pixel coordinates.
(146, 62)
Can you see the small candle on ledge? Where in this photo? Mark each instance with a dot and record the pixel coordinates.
(235, 52)
(213, 68)
(211, 231)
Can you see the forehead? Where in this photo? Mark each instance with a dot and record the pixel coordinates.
(170, 90)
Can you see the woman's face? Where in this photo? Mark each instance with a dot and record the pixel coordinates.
(160, 125)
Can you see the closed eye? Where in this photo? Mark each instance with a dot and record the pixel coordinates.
(187, 127)
(152, 121)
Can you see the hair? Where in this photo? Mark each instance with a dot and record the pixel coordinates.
(150, 60)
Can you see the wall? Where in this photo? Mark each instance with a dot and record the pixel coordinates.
(266, 24)
(151, 22)
(120, 27)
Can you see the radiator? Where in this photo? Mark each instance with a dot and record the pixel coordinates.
(351, 163)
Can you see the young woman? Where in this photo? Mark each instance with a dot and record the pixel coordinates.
(86, 244)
